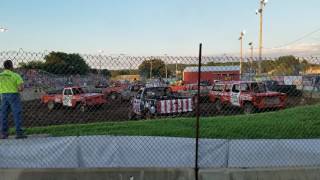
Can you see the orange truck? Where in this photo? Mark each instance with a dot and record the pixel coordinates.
(74, 97)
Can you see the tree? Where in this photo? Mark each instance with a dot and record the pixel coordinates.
(32, 65)
(63, 63)
(60, 63)
(289, 65)
(158, 68)
(104, 72)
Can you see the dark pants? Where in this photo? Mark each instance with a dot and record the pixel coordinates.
(11, 101)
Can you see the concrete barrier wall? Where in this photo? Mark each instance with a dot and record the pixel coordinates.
(156, 152)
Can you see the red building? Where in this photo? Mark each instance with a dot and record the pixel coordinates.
(211, 73)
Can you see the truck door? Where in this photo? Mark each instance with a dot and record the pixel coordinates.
(137, 103)
(67, 97)
(235, 95)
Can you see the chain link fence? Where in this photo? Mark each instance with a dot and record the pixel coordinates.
(127, 111)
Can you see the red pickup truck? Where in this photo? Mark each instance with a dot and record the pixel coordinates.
(249, 96)
(114, 92)
(192, 90)
(73, 97)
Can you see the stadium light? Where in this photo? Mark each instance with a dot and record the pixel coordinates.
(241, 49)
(263, 3)
(165, 64)
(251, 59)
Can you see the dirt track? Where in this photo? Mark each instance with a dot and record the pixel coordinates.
(37, 114)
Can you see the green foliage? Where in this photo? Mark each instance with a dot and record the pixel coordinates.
(285, 65)
(104, 72)
(223, 64)
(63, 63)
(115, 73)
(158, 68)
(60, 63)
(32, 65)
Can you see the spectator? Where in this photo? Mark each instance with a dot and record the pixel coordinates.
(10, 86)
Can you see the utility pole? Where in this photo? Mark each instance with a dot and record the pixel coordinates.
(177, 71)
(151, 69)
(263, 3)
(251, 59)
(100, 66)
(241, 50)
(166, 66)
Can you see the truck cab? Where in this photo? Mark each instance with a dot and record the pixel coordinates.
(159, 101)
(70, 94)
(73, 97)
(247, 95)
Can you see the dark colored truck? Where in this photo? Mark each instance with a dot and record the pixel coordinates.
(129, 93)
(275, 86)
(159, 101)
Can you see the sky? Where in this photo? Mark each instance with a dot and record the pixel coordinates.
(157, 27)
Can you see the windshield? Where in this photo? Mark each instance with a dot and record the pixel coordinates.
(77, 91)
(258, 88)
(157, 92)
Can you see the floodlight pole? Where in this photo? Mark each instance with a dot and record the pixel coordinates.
(151, 68)
(241, 50)
(260, 11)
(251, 59)
(166, 66)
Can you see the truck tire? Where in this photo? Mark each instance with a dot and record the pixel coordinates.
(51, 105)
(114, 96)
(131, 115)
(81, 107)
(149, 115)
(218, 105)
(248, 108)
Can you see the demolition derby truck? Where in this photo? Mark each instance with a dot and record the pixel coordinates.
(151, 102)
(248, 96)
(74, 97)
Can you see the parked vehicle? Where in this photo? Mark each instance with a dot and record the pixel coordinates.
(74, 97)
(101, 85)
(159, 101)
(113, 92)
(192, 90)
(130, 92)
(249, 96)
(290, 90)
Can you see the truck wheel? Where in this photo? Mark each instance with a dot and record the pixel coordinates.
(149, 115)
(248, 108)
(51, 105)
(131, 115)
(218, 105)
(114, 96)
(81, 107)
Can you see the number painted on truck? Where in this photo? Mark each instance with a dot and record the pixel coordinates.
(235, 99)
(67, 100)
(137, 106)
